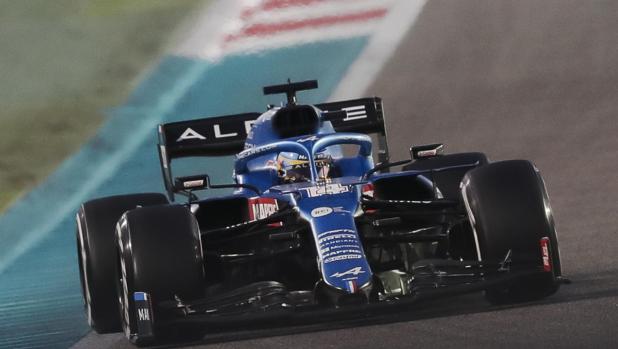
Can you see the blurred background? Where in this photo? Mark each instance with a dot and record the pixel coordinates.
(63, 63)
(83, 85)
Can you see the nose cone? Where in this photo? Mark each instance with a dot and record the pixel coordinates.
(342, 260)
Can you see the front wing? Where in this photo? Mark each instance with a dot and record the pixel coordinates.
(270, 304)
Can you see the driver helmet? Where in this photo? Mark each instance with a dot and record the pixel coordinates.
(293, 167)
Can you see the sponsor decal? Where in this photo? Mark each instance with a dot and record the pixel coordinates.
(340, 258)
(189, 134)
(545, 254)
(355, 250)
(318, 157)
(261, 208)
(354, 271)
(337, 237)
(339, 244)
(355, 113)
(252, 151)
(231, 130)
(349, 231)
(321, 212)
(143, 310)
(143, 315)
(326, 249)
(327, 189)
(219, 134)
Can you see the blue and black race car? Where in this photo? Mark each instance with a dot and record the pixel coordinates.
(311, 228)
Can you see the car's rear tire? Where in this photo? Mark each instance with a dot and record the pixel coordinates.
(96, 223)
(509, 209)
(160, 253)
(448, 181)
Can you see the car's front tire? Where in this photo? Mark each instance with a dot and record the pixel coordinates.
(160, 253)
(96, 223)
(509, 209)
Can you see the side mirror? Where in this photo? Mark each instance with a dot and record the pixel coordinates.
(190, 183)
(186, 185)
(426, 151)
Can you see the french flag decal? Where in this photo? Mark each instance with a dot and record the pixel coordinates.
(352, 286)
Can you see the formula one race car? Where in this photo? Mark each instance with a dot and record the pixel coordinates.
(312, 230)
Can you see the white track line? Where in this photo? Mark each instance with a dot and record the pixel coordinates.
(107, 168)
(201, 36)
(381, 47)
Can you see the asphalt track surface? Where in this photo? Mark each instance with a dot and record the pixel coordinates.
(527, 79)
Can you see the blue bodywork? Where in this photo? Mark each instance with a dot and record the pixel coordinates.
(329, 206)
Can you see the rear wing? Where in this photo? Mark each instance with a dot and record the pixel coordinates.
(217, 136)
(226, 135)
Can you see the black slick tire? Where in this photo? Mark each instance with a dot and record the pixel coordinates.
(160, 253)
(509, 209)
(96, 224)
